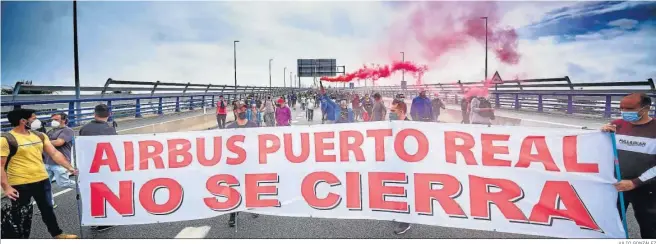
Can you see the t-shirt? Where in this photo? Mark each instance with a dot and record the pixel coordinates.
(268, 106)
(234, 125)
(66, 134)
(221, 107)
(26, 166)
(310, 104)
(475, 116)
(636, 150)
(379, 111)
(97, 128)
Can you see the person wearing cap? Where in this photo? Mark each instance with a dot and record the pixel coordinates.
(421, 109)
(242, 120)
(254, 114)
(283, 115)
(437, 105)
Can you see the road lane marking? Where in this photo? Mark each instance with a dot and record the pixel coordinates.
(193, 232)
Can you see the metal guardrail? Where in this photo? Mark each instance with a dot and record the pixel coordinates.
(132, 105)
(553, 95)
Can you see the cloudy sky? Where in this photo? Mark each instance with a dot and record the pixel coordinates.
(193, 41)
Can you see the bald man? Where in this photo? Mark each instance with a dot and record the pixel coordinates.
(636, 148)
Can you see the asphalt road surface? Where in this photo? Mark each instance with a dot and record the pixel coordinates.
(264, 226)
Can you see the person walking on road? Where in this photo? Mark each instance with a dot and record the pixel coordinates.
(310, 108)
(25, 178)
(283, 115)
(398, 111)
(343, 114)
(269, 112)
(221, 112)
(242, 121)
(421, 109)
(636, 151)
(254, 115)
(437, 105)
(368, 105)
(61, 137)
(480, 109)
(357, 108)
(379, 111)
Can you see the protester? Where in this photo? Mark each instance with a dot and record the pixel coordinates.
(421, 109)
(368, 104)
(357, 108)
(398, 111)
(254, 115)
(61, 137)
(234, 108)
(99, 127)
(310, 109)
(324, 108)
(241, 121)
(281, 100)
(24, 177)
(344, 114)
(221, 112)
(636, 149)
(283, 115)
(269, 112)
(480, 109)
(379, 110)
(437, 105)
(464, 110)
(331, 109)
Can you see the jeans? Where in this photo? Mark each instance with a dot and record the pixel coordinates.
(643, 200)
(269, 119)
(221, 120)
(310, 114)
(41, 192)
(60, 175)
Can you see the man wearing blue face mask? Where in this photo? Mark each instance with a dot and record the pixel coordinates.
(398, 111)
(636, 151)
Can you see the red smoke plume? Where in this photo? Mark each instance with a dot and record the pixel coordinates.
(442, 27)
(376, 72)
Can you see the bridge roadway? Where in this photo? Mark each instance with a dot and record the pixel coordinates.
(285, 227)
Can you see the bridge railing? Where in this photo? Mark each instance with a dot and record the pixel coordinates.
(129, 105)
(553, 95)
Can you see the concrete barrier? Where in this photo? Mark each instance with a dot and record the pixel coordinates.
(194, 123)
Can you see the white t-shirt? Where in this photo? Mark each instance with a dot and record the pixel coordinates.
(310, 104)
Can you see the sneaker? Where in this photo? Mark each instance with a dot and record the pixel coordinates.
(401, 228)
(231, 221)
(103, 228)
(54, 206)
(65, 236)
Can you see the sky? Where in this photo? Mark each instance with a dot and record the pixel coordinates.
(193, 41)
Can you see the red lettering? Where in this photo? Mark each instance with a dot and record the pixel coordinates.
(450, 147)
(489, 150)
(378, 191)
(263, 141)
(353, 191)
(148, 191)
(289, 148)
(232, 146)
(103, 148)
(422, 145)
(101, 195)
(526, 156)
(425, 194)
(345, 147)
(379, 142)
(129, 155)
(254, 190)
(320, 147)
(145, 154)
(215, 188)
(216, 155)
(179, 147)
(309, 190)
(571, 159)
(548, 207)
(481, 196)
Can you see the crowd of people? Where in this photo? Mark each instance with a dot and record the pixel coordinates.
(31, 160)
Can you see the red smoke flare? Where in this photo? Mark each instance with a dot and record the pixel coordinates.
(377, 72)
(442, 27)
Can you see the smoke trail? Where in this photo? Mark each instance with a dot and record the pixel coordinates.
(376, 72)
(443, 27)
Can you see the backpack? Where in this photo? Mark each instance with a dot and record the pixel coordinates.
(13, 144)
(484, 103)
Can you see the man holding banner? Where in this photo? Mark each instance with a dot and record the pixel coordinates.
(636, 148)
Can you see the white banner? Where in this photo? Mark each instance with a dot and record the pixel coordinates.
(538, 181)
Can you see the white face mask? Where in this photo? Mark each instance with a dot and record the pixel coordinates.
(55, 124)
(36, 124)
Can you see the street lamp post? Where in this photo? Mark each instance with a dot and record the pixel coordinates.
(485, 18)
(270, 72)
(235, 59)
(291, 82)
(76, 66)
(284, 77)
(403, 60)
